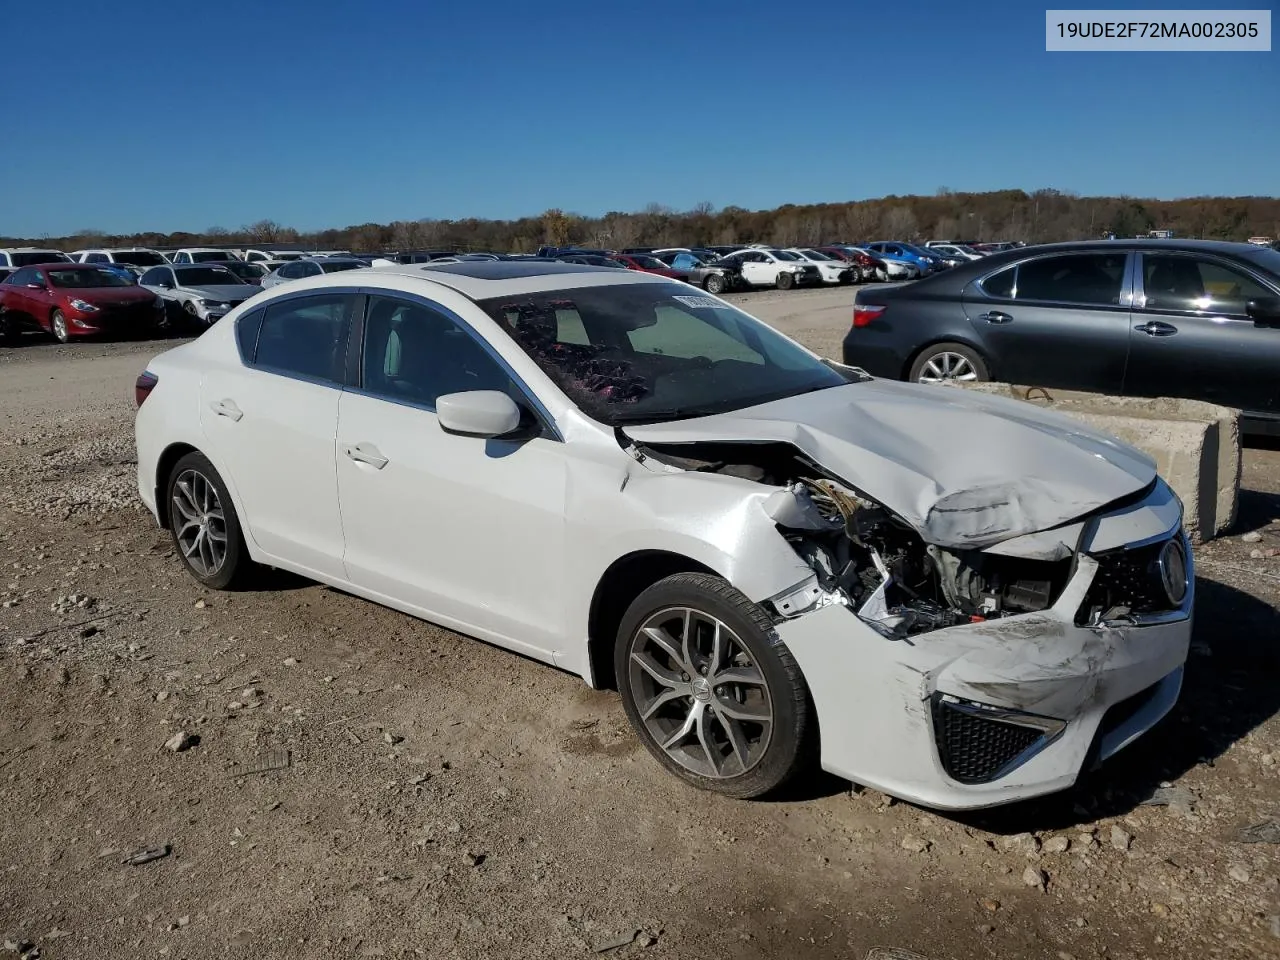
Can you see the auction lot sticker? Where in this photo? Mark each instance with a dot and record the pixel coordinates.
(1157, 30)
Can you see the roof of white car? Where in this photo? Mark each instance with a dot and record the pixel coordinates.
(480, 279)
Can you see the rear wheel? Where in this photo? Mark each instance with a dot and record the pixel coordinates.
(786, 280)
(204, 525)
(948, 361)
(711, 690)
(58, 326)
(714, 284)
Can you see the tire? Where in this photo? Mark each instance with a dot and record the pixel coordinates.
(714, 284)
(786, 280)
(948, 361)
(8, 328)
(191, 316)
(58, 326)
(198, 477)
(757, 757)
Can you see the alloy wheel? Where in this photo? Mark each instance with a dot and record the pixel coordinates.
(699, 693)
(200, 524)
(947, 366)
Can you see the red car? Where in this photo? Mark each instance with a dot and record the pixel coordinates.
(869, 267)
(77, 300)
(638, 261)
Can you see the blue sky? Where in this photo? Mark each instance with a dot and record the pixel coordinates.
(162, 116)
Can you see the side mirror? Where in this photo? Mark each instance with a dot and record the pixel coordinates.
(478, 413)
(1264, 309)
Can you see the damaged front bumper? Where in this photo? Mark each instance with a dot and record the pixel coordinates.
(987, 713)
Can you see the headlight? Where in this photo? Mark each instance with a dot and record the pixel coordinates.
(84, 306)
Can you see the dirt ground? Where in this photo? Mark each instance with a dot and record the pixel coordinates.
(365, 784)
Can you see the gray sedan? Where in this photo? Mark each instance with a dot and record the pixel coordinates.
(310, 267)
(202, 293)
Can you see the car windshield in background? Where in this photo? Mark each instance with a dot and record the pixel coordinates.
(89, 279)
(643, 353)
(205, 276)
(204, 256)
(649, 263)
(784, 255)
(140, 258)
(817, 255)
(31, 259)
(248, 272)
(337, 265)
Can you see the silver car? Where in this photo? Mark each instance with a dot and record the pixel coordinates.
(310, 267)
(202, 293)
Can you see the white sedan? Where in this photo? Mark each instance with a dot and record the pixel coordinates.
(970, 599)
(832, 270)
(762, 267)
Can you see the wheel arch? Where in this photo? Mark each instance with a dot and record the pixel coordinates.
(624, 580)
(164, 465)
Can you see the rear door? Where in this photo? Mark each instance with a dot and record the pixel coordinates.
(1058, 320)
(1192, 336)
(270, 421)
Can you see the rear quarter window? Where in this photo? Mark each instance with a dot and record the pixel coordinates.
(247, 328)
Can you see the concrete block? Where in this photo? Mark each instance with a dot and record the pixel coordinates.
(1196, 445)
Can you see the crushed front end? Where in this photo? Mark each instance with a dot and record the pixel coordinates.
(962, 678)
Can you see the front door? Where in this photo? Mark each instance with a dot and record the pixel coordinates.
(464, 531)
(1192, 336)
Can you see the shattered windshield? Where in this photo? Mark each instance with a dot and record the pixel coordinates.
(641, 353)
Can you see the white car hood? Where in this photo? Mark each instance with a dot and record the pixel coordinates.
(966, 470)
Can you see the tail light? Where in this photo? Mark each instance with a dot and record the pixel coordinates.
(865, 313)
(143, 386)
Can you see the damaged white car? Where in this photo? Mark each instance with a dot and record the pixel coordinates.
(957, 599)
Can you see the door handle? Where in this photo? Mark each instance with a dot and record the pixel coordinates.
(1157, 328)
(228, 409)
(366, 453)
(995, 316)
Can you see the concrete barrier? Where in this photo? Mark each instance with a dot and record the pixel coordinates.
(1196, 445)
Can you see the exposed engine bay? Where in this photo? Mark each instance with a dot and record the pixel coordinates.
(865, 557)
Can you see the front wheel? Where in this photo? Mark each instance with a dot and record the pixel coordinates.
(715, 284)
(204, 525)
(58, 327)
(785, 280)
(948, 361)
(711, 690)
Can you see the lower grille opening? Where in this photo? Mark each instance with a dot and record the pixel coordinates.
(977, 745)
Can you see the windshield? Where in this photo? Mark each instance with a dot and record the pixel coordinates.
(816, 255)
(1267, 258)
(28, 259)
(248, 272)
(139, 258)
(89, 279)
(204, 256)
(964, 248)
(205, 276)
(784, 255)
(642, 353)
(287, 256)
(334, 266)
(649, 263)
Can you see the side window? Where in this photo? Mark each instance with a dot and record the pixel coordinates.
(96, 258)
(247, 328)
(1193, 285)
(182, 258)
(1092, 278)
(151, 277)
(414, 354)
(675, 333)
(1001, 284)
(306, 337)
(254, 257)
(310, 269)
(22, 277)
(290, 271)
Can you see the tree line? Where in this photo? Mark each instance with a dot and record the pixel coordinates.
(1037, 217)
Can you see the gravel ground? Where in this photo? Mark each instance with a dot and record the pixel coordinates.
(353, 782)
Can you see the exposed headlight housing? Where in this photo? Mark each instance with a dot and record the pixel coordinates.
(1172, 566)
(84, 306)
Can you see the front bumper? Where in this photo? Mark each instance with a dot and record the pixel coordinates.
(887, 709)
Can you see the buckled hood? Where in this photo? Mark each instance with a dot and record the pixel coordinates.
(967, 470)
